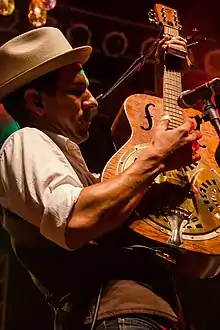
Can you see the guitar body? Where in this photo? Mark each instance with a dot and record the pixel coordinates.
(181, 208)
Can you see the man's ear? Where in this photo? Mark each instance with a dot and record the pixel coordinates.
(33, 102)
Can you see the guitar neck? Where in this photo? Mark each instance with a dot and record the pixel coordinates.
(172, 87)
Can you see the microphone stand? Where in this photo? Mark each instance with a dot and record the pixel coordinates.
(134, 67)
(217, 102)
(211, 114)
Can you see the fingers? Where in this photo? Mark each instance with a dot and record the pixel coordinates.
(164, 122)
(177, 41)
(194, 136)
(195, 146)
(190, 137)
(196, 158)
(192, 141)
(165, 39)
(161, 45)
(186, 127)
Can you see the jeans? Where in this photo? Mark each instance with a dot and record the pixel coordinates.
(126, 322)
(133, 322)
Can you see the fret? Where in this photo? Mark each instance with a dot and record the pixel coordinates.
(174, 113)
(172, 106)
(173, 98)
(172, 122)
(172, 88)
(176, 122)
(171, 91)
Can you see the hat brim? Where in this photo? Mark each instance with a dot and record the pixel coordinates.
(76, 55)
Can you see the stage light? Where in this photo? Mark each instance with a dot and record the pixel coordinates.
(212, 63)
(115, 44)
(7, 7)
(79, 34)
(47, 4)
(36, 15)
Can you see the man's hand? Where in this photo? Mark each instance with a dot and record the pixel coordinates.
(178, 43)
(177, 147)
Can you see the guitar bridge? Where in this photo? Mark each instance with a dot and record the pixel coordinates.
(177, 221)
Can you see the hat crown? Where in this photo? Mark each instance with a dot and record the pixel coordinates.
(35, 53)
(29, 49)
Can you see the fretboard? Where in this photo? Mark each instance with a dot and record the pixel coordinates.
(172, 87)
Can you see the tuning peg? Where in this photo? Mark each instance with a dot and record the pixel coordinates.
(153, 20)
(180, 27)
(152, 17)
(151, 12)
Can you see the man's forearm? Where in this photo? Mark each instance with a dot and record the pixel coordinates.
(105, 206)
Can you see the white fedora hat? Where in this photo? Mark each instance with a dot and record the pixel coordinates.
(33, 54)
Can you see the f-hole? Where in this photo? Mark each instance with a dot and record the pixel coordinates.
(149, 117)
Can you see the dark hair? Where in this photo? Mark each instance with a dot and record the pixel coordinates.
(14, 103)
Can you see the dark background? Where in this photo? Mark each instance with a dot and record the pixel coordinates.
(25, 306)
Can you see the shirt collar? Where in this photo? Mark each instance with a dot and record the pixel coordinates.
(63, 142)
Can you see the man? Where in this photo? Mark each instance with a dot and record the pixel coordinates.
(59, 216)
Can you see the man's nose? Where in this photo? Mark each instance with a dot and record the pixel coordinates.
(90, 103)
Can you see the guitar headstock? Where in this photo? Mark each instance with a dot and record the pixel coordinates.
(165, 16)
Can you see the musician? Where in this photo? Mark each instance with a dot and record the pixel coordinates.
(58, 214)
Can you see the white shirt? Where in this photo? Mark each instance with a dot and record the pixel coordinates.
(41, 178)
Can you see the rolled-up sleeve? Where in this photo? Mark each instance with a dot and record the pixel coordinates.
(38, 183)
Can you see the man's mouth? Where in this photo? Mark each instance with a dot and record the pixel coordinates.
(86, 120)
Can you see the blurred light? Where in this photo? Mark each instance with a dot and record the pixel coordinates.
(79, 34)
(7, 7)
(115, 44)
(212, 63)
(36, 15)
(47, 4)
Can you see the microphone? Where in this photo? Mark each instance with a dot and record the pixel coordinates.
(188, 98)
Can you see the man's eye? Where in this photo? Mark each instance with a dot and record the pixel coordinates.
(77, 91)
